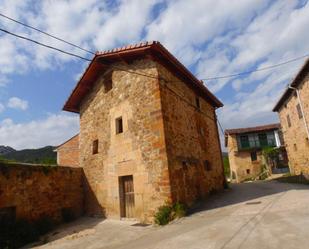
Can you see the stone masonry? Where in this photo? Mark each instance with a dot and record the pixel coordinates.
(293, 127)
(241, 165)
(35, 192)
(68, 152)
(168, 144)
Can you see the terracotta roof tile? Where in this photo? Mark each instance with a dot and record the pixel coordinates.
(252, 129)
(136, 50)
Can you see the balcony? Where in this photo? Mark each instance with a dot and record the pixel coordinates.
(256, 144)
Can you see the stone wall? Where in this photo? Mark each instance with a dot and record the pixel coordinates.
(240, 162)
(138, 151)
(192, 141)
(41, 191)
(68, 153)
(295, 137)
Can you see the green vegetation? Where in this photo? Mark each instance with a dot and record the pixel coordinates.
(167, 213)
(45, 155)
(226, 165)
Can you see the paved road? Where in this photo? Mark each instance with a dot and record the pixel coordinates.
(250, 215)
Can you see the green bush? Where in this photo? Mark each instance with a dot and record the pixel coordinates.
(163, 216)
(167, 213)
(179, 210)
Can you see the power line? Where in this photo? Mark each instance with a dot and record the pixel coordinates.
(257, 70)
(146, 75)
(44, 45)
(45, 33)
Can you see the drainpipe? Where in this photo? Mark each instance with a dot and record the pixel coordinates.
(301, 108)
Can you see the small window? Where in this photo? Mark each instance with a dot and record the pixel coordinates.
(299, 112)
(248, 171)
(119, 125)
(95, 146)
(288, 120)
(295, 147)
(253, 156)
(207, 165)
(197, 103)
(108, 82)
(184, 165)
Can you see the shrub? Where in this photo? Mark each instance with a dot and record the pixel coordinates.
(179, 210)
(167, 213)
(163, 215)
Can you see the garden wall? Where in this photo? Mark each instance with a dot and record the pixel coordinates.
(33, 192)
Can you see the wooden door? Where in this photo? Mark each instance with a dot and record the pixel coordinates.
(128, 197)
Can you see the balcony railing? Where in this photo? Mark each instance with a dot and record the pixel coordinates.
(243, 145)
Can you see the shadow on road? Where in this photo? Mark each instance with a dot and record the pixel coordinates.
(246, 192)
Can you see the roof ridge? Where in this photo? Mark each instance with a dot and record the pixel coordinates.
(127, 47)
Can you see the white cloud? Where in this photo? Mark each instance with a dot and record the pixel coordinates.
(17, 103)
(52, 130)
(213, 37)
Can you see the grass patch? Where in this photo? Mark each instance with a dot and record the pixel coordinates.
(167, 213)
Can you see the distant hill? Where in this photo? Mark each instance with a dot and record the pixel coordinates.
(5, 150)
(45, 155)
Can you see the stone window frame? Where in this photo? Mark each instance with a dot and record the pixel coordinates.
(207, 165)
(288, 119)
(108, 82)
(95, 146)
(299, 112)
(119, 125)
(197, 103)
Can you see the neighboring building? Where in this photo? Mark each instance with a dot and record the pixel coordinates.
(293, 109)
(68, 152)
(148, 132)
(245, 149)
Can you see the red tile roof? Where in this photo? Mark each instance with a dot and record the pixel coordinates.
(252, 129)
(295, 83)
(102, 60)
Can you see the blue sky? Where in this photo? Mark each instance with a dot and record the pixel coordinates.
(212, 38)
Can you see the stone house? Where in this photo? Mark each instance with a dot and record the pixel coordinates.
(68, 152)
(293, 110)
(148, 133)
(245, 149)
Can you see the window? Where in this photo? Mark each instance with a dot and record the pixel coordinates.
(288, 120)
(95, 147)
(253, 156)
(263, 139)
(108, 82)
(300, 114)
(197, 103)
(295, 147)
(244, 141)
(119, 125)
(248, 171)
(184, 165)
(207, 165)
